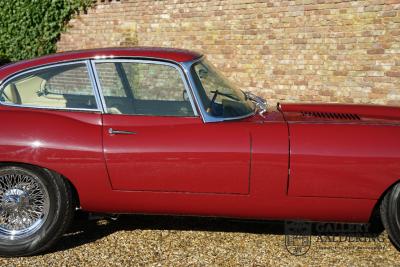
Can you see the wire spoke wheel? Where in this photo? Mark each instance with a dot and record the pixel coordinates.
(24, 205)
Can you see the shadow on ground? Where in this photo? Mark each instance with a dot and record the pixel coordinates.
(85, 231)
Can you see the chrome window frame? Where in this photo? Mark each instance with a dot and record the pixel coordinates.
(144, 61)
(12, 77)
(187, 66)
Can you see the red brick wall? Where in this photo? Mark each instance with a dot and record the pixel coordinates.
(300, 50)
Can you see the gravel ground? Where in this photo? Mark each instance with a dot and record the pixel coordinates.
(182, 241)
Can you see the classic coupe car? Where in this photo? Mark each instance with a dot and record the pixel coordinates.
(160, 131)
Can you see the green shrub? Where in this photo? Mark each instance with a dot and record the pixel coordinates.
(3, 59)
(31, 28)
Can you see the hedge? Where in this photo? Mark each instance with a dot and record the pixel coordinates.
(3, 59)
(31, 28)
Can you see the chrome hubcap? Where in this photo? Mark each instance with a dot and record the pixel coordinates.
(24, 205)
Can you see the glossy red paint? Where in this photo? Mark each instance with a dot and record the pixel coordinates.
(283, 165)
(168, 54)
(327, 153)
(177, 154)
(74, 149)
(335, 160)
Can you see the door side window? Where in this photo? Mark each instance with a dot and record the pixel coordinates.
(66, 86)
(138, 88)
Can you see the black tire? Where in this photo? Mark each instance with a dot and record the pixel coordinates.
(390, 215)
(59, 212)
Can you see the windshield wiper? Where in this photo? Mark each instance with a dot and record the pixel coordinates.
(260, 102)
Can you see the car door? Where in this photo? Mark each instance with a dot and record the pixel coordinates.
(154, 140)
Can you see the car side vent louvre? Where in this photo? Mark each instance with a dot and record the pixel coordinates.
(330, 115)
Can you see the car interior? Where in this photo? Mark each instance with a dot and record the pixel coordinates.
(139, 97)
(69, 91)
(36, 90)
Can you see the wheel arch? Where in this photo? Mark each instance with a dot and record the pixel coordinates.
(375, 213)
(74, 190)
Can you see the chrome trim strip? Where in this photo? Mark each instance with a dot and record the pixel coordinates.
(186, 67)
(144, 61)
(4, 84)
(96, 85)
(205, 116)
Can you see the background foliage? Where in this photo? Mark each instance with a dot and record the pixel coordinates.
(31, 28)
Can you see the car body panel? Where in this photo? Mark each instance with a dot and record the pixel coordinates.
(298, 162)
(83, 164)
(177, 154)
(328, 150)
(267, 199)
(334, 160)
(68, 142)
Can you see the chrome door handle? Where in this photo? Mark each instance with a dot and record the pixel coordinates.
(111, 131)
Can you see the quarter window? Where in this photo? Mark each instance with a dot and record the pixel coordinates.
(143, 89)
(66, 86)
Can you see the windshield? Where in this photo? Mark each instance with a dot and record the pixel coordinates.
(218, 96)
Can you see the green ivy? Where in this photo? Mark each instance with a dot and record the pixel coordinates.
(31, 28)
(3, 59)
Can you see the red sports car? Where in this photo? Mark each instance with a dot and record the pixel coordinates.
(152, 130)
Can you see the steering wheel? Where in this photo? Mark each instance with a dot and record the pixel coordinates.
(215, 94)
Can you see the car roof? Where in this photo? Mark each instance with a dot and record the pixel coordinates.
(168, 54)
